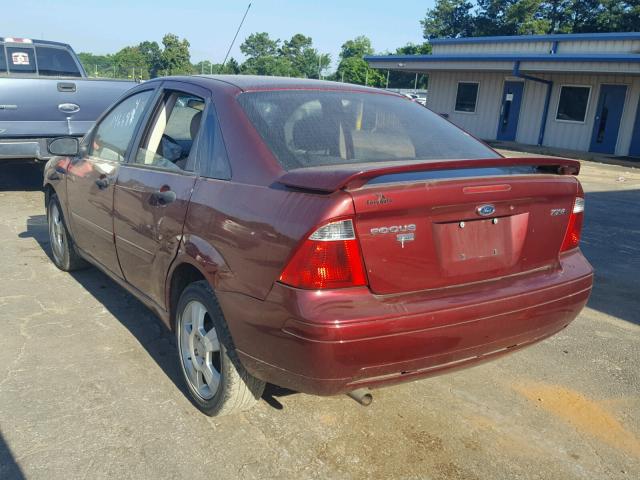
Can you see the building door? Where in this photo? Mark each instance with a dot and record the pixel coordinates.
(634, 149)
(510, 111)
(608, 116)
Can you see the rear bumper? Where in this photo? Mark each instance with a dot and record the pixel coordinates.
(332, 342)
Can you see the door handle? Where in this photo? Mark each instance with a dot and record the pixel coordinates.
(164, 196)
(102, 183)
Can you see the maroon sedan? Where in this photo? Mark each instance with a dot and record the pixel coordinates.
(323, 237)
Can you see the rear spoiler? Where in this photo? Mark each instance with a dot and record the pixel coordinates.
(330, 178)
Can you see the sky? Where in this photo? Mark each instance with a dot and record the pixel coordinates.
(106, 26)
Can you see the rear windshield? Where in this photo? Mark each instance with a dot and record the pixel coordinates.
(315, 128)
(3, 60)
(21, 60)
(56, 62)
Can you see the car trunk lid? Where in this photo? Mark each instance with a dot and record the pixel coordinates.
(441, 224)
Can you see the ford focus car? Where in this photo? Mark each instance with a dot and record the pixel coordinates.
(323, 237)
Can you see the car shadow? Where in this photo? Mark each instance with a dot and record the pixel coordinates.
(24, 175)
(9, 468)
(153, 335)
(611, 242)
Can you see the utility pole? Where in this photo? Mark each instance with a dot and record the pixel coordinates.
(96, 70)
(415, 85)
(366, 78)
(387, 86)
(343, 76)
(320, 67)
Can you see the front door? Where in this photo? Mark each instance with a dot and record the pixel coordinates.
(510, 111)
(91, 177)
(154, 188)
(608, 116)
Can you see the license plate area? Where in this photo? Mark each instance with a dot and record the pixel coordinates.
(483, 245)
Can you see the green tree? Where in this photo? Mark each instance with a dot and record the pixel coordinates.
(358, 47)
(97, 65)
(176, 59)
(305, 60)
(153, 57)
(449, 18)
(259, 45)
(130, 63)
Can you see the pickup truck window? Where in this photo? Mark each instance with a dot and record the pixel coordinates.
(21, 60)
(3, 60)
(114, 133)
(56, 62)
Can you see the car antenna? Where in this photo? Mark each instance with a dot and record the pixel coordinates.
(236, 35)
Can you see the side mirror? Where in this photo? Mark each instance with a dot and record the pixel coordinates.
(64, 146)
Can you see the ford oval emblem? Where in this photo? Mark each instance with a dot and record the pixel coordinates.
(486, 210)
(69, 108)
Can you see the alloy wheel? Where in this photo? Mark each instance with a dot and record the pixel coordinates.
(200, 350)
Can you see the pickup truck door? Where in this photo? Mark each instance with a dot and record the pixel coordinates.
(91, 177)
(53, 100)
(153, 189)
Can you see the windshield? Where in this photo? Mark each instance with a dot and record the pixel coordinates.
(314, 128)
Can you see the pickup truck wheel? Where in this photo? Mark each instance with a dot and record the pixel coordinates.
(63, 250)
(217, 381)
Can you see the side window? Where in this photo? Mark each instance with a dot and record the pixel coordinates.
(56, 62)
(466, 97)
(21, 60)
(172, 132)
(213, 161)
(573, 102)
(3, 60)
(113, 135)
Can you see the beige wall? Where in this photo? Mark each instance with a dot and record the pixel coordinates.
(484, 122)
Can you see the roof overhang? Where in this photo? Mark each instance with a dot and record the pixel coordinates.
(564, 63)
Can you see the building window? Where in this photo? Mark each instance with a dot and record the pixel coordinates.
(573, 103)
(466, 97)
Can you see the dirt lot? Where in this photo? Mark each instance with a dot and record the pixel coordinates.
(89, 385)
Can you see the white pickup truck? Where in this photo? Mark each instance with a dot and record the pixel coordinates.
(45, 93)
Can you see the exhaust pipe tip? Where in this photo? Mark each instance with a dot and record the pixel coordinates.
(362, 395)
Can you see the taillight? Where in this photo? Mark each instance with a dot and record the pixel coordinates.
(329, 258)
(574, 229)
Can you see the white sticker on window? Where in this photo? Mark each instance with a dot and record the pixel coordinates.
(20, 58)
(509, 97)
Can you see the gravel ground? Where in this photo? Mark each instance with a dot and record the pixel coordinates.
(89, 384)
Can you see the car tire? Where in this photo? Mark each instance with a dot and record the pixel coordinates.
(63, 250)
(217, 382)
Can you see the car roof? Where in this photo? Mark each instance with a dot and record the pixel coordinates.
(256, 83)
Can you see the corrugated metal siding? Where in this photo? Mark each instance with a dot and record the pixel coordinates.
(577, 136)
(531, 112)
(483, 123)
(582, 67)
(441, 98)
(574, 46)
(497, 47)
(601, 46)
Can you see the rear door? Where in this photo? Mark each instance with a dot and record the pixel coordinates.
(91, 178)
(153, 189)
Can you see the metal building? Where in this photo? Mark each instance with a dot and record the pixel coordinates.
(573, 91)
